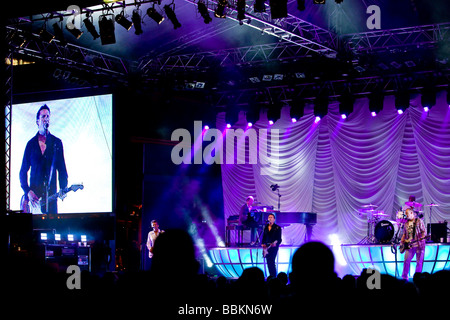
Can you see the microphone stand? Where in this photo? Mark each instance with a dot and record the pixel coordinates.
(279, 199)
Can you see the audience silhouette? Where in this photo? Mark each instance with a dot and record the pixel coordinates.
(174, 284)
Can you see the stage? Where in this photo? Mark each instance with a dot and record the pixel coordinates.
(231, 261)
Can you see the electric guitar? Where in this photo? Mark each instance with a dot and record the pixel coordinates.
(28, 206)
(407, 244)
(267, 247)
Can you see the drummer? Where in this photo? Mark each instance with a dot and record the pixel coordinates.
(412, 204)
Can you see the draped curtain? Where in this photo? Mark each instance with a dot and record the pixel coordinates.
(336, 166)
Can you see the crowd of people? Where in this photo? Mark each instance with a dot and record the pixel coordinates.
(173, 287)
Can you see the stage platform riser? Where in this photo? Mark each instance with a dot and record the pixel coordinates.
(231, 262)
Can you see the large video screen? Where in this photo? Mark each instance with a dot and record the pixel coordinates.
(75, 150)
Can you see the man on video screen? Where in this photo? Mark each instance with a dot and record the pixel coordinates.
(44, 158)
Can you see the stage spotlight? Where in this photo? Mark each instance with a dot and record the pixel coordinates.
(321, 105)
(204, 12)
(346, 105)
(171, 15)
(83, 238)
(220, 10)
(428, 98)
(44, 237)
(319, 1)
(293, 120)
(57, 237)
(124, 22)
(90, 26)
(278, 9)
(402, 101)
(152, 13)
(77, 33)
(241, 10)
(70, 237)
(137, 21)
(106, 26)
(46, 36)
(270, 122)
(301, 5)
(59, 33)
(376, 102)
(317, 119)
(259, 6)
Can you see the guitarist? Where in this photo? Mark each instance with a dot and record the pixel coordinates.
(413, 239)
(270, 242)
(44, 159)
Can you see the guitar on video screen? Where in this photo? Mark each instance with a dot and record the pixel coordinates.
(35, 207)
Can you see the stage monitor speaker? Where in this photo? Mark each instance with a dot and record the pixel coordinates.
(438, 232)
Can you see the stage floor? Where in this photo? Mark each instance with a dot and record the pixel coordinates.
(231, 261)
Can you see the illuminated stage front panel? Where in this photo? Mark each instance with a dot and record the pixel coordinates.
(388, 261)
(231, 262)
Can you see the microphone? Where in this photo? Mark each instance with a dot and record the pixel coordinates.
(46, 126)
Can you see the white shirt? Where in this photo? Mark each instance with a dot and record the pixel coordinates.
(152, 235)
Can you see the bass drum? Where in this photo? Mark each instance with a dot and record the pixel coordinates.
(385, 230)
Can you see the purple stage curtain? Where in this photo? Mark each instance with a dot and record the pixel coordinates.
(335, 166)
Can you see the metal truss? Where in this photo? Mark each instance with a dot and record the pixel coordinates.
(8, 107)
(290, 29)
(30, 45)
(334, 89)
(382, 40)
(234, 56)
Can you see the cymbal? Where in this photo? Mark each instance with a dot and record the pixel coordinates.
(413, 204)
(432, 205)
(370, 206)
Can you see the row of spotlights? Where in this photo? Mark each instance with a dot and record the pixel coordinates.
(57, 237)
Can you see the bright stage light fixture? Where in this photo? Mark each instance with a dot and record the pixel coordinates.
(170, 12)
(319, 1)
(106, 26)
(201, 6)
(90, 27)
(220, 10)
(155, 15)
(123, 21)
(137, 21)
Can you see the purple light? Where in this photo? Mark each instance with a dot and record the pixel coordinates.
(374, 114)
(206, 127)
(343, 116)
(228, 125)
(400, 111)
(426, 109)
(317, 119)
(249, 124)
(270, 122)
(294, 120)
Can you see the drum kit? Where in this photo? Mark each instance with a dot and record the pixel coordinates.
(381, 229)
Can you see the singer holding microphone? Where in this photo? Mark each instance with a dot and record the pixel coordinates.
(44, 159)
(270, 242)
